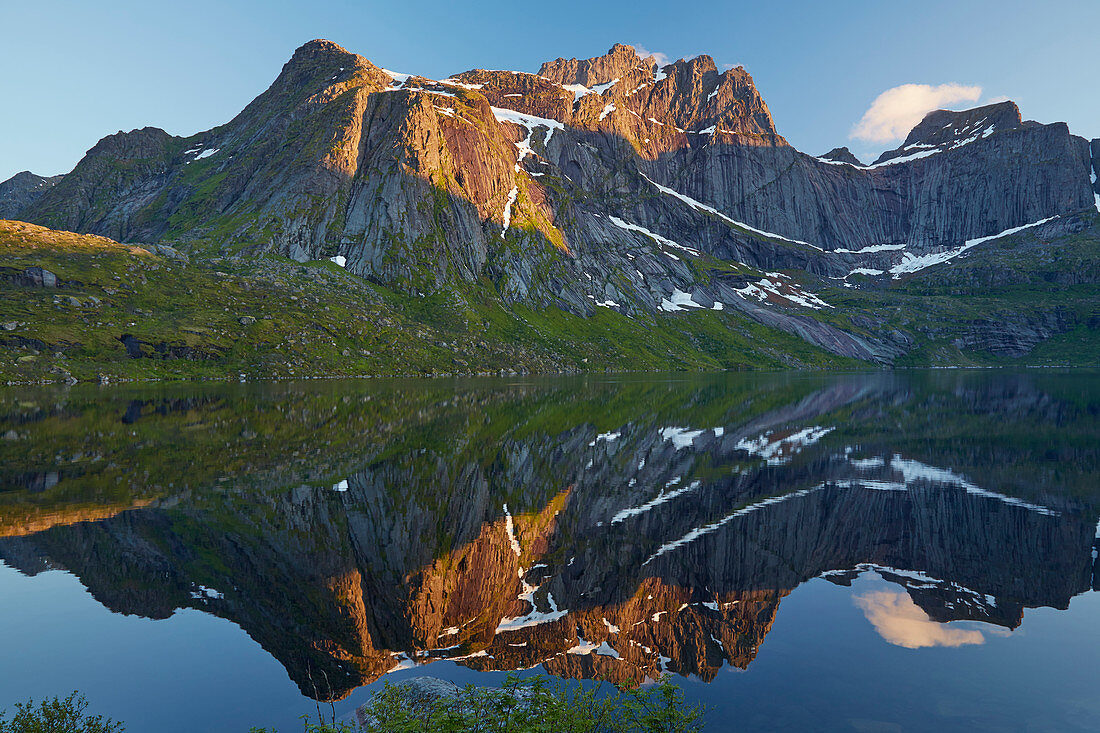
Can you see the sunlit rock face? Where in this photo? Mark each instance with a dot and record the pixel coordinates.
(617, 531)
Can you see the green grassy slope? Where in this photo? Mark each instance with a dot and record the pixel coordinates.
(273, 318)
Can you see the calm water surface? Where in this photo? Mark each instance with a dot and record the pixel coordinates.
(864, 552)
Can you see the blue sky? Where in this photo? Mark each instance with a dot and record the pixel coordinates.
(74, 71)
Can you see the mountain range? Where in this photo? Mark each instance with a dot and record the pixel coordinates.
(616, 189)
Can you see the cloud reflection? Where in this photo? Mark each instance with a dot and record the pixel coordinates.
(901, 622)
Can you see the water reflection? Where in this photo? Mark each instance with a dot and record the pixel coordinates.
(902, 622)
(615, 529)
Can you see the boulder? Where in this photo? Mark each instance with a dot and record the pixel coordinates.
(40, 278)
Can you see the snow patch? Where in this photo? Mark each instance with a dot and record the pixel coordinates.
(914, 263)
(872, 248)
(711, 210)
(528, 121)
(864, 271)
(655, 237)
(395, 77)
(507, 215)
(609, 437)
(535, 617)
(863, 463)
(657, 501)
(781, 287)
(455, 83)
(680, 437)
(708, 528)
(205, 594)
(913, 471)
(778, 449)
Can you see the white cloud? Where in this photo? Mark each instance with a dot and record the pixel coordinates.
(661, 58)
(901, 622)
(896, 111)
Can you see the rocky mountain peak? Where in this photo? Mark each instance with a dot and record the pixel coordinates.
(841, 155)
(617, 63)
(943, 125)
(702, 99)
(318, 49)
(700, 65)
(946, 129)
(142, 143)
(317, 63)
(22, 190)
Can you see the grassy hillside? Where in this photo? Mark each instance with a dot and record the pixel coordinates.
(121, 311)
(124, 312)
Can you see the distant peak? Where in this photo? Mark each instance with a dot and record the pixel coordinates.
(1005, 115)
(841, 155)
(944, 129)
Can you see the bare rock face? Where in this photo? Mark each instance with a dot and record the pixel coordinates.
(619, 62)
(21, 190)
(527, 93)
(1094, 149)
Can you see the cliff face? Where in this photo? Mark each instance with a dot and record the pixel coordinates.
(597, 182)
(1094, 151)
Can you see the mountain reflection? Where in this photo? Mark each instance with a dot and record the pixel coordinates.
(599, 528)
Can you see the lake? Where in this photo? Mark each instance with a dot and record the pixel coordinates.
(886, 551)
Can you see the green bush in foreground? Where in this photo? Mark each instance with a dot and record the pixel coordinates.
(531, 705)
(54, 715)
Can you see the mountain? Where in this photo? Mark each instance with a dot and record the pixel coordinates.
(21, 190)
(604, 183)
(841, 155)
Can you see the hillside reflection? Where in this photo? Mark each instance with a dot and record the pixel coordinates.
(611, 528)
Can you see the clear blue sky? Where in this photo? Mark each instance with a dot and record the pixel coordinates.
(72, 71)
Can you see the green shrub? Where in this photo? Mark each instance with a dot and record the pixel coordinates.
(534, 705)
(521, 705)
(55, 715)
